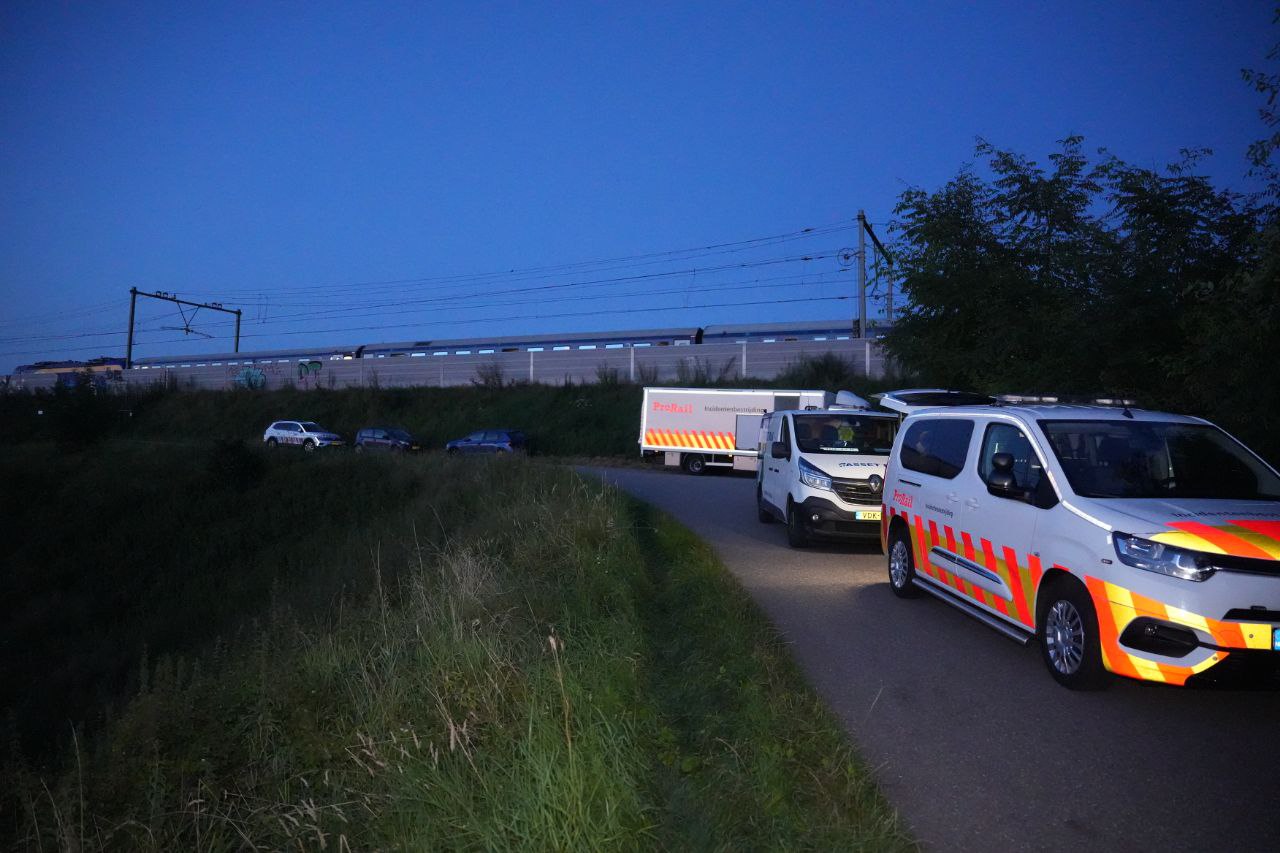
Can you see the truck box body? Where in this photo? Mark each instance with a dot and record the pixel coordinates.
(719, 426)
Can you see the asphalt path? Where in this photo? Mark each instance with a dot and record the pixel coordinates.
(970, 738)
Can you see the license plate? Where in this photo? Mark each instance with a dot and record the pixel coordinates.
(874, 515)
(1275, 639)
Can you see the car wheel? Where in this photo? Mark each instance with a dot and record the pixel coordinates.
(1068, 633)
(694, 463)
(797, 534)
(272, 443)
(359, 448)
(452, 451)
(762, 510)
(308, 445)
(902, 565)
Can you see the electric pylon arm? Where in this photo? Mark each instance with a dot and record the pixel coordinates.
(134, 293)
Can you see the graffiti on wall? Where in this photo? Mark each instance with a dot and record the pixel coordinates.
(251, 378)
(307, 369)
(309, 373)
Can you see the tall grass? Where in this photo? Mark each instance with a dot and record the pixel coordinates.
(517, 660)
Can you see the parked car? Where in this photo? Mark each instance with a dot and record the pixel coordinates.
(386, 439)
(1139, 543)
(490, 441)
(308, 435)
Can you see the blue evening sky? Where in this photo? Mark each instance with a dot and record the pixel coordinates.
(353, 172)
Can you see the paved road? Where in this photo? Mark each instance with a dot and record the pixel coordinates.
(970, 737)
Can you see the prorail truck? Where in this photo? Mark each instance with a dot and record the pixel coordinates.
(700, 428)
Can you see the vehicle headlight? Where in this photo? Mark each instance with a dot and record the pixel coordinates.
(811, 476)
(1161, 558)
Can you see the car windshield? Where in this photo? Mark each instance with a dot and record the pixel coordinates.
(838, 433)
(399, 434)
(1138, 459)
(312, 426)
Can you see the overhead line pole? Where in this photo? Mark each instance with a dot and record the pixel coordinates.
(864, 229)
(862, 274)
(128, 351)
(134, 293)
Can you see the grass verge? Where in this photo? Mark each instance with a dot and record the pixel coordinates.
(523, 660)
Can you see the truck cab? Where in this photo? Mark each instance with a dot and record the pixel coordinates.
(822, 472)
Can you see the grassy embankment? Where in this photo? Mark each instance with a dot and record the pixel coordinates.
(377, 653)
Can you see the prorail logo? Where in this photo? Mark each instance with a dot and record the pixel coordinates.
(673, 408)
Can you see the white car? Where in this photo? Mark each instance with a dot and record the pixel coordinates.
(305, 434)
(822, 471)
(1139, 543)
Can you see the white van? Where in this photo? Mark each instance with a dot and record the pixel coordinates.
(822, 470)
(1139, 543)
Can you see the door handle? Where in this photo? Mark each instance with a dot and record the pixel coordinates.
(971, 503)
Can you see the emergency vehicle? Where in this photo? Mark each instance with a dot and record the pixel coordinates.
(698, 428)
(822, 471)
(1134, 542)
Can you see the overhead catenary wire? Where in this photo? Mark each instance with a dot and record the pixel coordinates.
(625, 278)
(520, 274)
(562, 315)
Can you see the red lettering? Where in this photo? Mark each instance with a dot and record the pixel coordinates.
(903, 498)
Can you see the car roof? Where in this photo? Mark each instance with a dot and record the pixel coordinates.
(1058, 412)
(869, 413)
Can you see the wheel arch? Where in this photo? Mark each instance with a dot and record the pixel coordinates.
(1051, 580)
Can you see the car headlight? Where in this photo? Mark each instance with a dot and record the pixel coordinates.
(1164, 559)
(811, 476)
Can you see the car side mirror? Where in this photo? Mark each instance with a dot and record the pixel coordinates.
(780, 450)
(1000, 482)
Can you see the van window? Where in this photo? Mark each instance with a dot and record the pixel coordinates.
(1028, 470)
(841, 433)
(937, 447)
(1144, 459)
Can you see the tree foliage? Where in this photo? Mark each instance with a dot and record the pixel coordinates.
(1089, 275)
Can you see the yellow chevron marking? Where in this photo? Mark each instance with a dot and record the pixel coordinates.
(1190, 541)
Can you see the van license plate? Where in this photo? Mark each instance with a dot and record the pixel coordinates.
(874, 515)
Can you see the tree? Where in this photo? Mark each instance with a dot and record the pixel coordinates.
(1088, 275)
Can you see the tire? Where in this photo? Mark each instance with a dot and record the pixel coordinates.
(694, 463)
(452, 451)
(272, 443)
(1067, 628)
(797, 535)
(359, 448)
(762, 511)
(309, 446)
(902, 565)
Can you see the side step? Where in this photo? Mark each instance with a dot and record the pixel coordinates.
(1021, 636)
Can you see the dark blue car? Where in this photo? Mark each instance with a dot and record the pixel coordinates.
(388, 439)
(490, 441)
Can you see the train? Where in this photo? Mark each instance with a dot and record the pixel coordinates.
(816, 330)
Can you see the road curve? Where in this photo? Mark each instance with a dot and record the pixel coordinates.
(969, 736)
